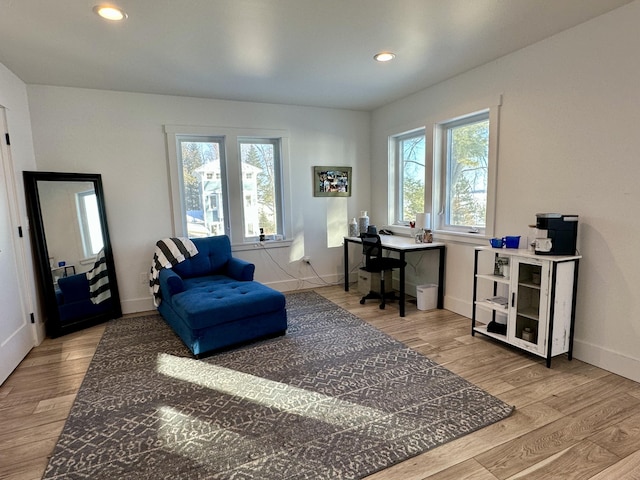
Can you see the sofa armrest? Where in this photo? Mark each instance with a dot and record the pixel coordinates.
(239, 269)
(170, 283)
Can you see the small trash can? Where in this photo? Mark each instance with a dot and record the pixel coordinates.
(427, 296)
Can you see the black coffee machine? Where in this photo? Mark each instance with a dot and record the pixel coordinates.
(562, 231)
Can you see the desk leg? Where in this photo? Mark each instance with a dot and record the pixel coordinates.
(441, 278)
(401, 300)
(346, 266)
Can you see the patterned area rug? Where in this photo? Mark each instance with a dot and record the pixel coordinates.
(333, 399)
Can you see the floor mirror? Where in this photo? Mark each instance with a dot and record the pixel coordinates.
(72, 250)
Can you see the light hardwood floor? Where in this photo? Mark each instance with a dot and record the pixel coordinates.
(573, 421)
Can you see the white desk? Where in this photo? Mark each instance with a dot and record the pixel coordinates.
(402, 245)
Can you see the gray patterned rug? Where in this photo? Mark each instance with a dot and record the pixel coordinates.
(333, 399)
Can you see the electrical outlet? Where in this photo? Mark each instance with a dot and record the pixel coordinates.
(306, 259)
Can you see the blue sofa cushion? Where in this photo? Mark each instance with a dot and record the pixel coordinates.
(217, 299)
(74, 301)
(74, 288)
(213, 255)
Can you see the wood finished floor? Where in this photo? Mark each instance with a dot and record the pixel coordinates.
(573, 421)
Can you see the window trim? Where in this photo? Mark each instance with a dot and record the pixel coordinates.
(443, 130)
(233, 183)
(398, 173)
(438, 133)
(278, 194)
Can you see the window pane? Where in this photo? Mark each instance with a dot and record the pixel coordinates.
(259, 163)
(412, 176)
(202, 184)
(90, 223)
(467, 170)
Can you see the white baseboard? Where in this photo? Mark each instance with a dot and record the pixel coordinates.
(607, 359)
(459, 306)
(137, 305)
(291, 285)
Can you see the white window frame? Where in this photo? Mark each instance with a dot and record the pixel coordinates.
(276, 142)
(440, 159)
(445, 180)
(398, 172)
(234, 198)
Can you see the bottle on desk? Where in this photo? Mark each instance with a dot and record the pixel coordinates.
(353, 227)
(363, 221)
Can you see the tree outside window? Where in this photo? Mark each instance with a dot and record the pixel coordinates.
(467, 172)
(260, 178)
(410, 163)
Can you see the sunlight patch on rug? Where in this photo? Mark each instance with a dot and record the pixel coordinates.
(272, 394)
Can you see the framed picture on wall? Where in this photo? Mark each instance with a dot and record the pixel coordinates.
(331, 181)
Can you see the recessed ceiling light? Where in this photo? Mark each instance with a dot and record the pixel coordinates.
(384, 56)
(109, 12)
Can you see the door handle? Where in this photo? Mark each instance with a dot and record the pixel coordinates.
(513, 299)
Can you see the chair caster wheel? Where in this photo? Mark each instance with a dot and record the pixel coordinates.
(382, 306)
(362, 301)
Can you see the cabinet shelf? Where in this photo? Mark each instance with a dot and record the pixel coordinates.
(483, 330)
(535, 286)
(492, 306)
(531, 313)
(494, 278)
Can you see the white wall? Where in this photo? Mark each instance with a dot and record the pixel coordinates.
(120, 135)
(13, 97)
(569, 144)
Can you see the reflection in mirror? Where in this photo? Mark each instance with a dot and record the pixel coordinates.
(69, 228)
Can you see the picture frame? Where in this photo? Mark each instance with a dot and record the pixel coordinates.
(332, 181)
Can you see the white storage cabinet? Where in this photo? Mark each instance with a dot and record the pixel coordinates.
(538, 294)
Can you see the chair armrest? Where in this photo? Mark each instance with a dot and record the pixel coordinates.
(239, 269)
(170, 283)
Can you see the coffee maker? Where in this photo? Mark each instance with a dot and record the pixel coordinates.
(561, 234)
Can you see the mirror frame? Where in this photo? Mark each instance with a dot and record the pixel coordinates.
(53, 324)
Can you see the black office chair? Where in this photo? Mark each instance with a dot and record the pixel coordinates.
(376, 263)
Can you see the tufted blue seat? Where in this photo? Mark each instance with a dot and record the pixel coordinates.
(211, 301)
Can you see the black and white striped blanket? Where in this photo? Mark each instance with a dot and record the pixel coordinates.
(98, 277)
(169, 252)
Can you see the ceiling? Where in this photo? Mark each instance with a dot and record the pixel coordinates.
(301, 52)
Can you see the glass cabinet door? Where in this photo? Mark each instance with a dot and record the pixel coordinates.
(529, 305)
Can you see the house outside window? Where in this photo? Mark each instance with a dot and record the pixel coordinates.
(261, 186)
(201, 161)
(226, 183)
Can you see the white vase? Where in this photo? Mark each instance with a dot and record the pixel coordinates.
(353, 228)
(363, 222)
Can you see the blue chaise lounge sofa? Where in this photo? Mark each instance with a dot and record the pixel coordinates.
(212, 302)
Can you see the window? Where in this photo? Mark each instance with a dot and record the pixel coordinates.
(410, 176)
(202, 165)
(227, 181)
(466, 156)
(447, 169)
(260, 166)
(89, 218)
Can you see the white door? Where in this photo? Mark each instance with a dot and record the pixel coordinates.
(16, 334)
